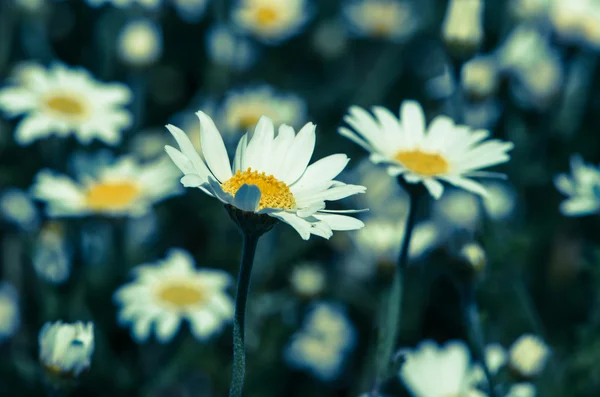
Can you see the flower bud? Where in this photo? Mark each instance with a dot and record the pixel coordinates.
(462, 29)
(66, 349)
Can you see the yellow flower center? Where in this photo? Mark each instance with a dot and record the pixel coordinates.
(274, 193)
(248, 121)
(181, 294)
(426, 164)
(266, 16)
(67, 105)
(112, 195)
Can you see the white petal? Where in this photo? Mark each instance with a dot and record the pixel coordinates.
(302, 227)
(340, 222)
(167, 327)
(299, 154)
(192, 181)
(247, 198)
(213, 148)
(325, 169)
(579, 206)
(259, 146)
(239, 160)
(435, 187)
(466, 184)
(413, 121)
(32, 128)
(204, 323)
(188, 150)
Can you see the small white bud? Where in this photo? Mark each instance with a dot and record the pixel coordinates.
(66, 349)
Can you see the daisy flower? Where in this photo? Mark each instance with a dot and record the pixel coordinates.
(271, 21)
(270, 175)
(140, 43)
(66, 349)
(124, 188)
(582, 188)
(173, 290)
(390, 19)
(63, 101)
(443, 152)
(242, 109)
(438, 371)
(528, 355)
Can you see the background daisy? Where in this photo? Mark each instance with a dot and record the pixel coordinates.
(582, 187)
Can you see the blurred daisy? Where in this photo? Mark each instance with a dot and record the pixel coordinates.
(388, 19)
(173, 290)
(190, 11)
(150, 4)
(62, 101)
(66, 349)
(577, 21)
(140, 43)
(124, 188)
(582, 187)
(501, 201)
(51, 254)
(271, 21)
(17, 207)
(528, 355)
(227, 48)
(10, 317)
(270, 175)
(308, 279)
(438, 371)
(443, 152)
(479, 76)
(522, 389)
(242, 109)
(323, 343)
(462, 29)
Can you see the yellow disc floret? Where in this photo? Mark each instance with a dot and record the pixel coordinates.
(112, 195)
(181, 294)
(274, 193)
(426, 164)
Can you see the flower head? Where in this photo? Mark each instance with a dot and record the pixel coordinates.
(140, 43)
(66, 349)
(124, 188)
(582, 188)
(443, 152)
(10, 318)
(63, 101)
(528, 355)
(462, 29)
(165, 294)
(270, 175)
(390, 19)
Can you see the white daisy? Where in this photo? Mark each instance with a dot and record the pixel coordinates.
(140, 43)
(242, 109)
(150, 4)
(62, 101)
(66, 349)
(479, 76)
(270, 175)
(438, 371)
(443, 152)
(124, 188)
(10, 317)
(51, 254)
(582, 187)
(271, 21)
(528, 355)
(173, 290)
(225, 47)
(390, 19)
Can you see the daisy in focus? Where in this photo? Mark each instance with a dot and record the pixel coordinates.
(66, 349)
(66, 101)
(443, 152)
(124, 188)
(270, 175)
(271, 21)
(242, 109)
(173, 290)
(387, 19)
(582, 187)
(439, 371)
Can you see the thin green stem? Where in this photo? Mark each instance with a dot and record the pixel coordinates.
(241, 296)
(391, 303)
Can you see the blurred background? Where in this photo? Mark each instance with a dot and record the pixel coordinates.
(524, 69)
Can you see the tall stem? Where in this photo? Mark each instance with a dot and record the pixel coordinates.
(241, 296)
(391, 313)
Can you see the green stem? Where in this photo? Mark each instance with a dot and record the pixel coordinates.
(241, 296)
(391, 303)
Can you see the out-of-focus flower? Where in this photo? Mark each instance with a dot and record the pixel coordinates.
(582, 187)
(501, 200)
(51, 254)
(528, 9)
(474, 255)
(17, 207)
(10, 318)
(242, 109)
(227, 48)
(577, 21)
(66, 349)
(457, 208)
(271, 21)
(140, 43)
(462, 29)
(479, 76)
(387, 19)
(124, 188)
(308, 279)
(173, 290)
(190, 11)
(270, 175)
(443, 152)
(528, 355)
(321, 346)
(329, 39)
(62, 101)
(431, 370)
(150, 4)
(523, 389)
